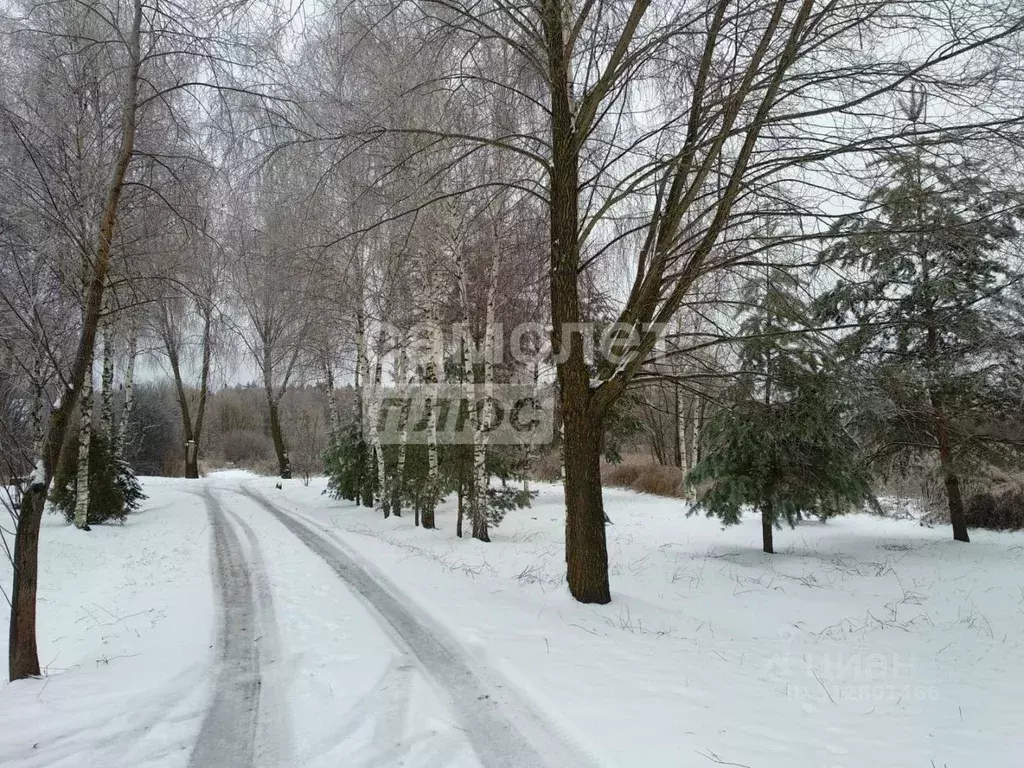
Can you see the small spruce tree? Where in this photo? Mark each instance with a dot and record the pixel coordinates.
(114, 490)
(778, 444)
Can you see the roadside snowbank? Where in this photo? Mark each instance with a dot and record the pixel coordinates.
(125, 625)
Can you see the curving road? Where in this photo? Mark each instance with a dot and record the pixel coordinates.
(246, 723)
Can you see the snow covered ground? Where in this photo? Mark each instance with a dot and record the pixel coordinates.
(862, 642)
(125, 630)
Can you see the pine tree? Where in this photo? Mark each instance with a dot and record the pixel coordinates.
(928, 297)
(779, 444)
(113, 490)
(345, 462)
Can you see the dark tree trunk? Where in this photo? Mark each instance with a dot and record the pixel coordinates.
(427, 511)
(767, 529)
(586, 550)
(462, 509)
(479, 521)
(586, 553)
(366, 474)
(22, 654)
(698, 444)
(677, 443)
(192, 431)
(278, 437)
(954, 499)
(191, 460)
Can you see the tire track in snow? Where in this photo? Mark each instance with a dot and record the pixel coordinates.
(228, 734)
(272, 746)
(503, 730)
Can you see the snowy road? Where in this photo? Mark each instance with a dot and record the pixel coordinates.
(503, 729)
(228, 734)
(246, 724)
(245, 720)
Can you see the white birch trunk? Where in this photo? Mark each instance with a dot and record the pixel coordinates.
(362, 369)
(697, 426)
(84, 441)
(433, 367)
(685, 436)
(433, 375)
(399, 478)
(368, 410)
(333, 414)
(107, 383)
(690, 435)
(129, 390)
(477, 505)
(380, 499)
(483, 427)
(38, 392)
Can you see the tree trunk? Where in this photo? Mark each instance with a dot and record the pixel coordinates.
(677, 433)
(84, 441)
(38, 394)
(477, 496)
(433, 471)
(954, 499)
(22, 654)
(586, 552)
(204, 384)
(365, 393)
(192, 431)
(529, 445)
(690, 435)
(462, 509)
(283, 464)
(381, 497)
(333, 414)
(433, 370)
(480, 475)
(585, 545)
(398, 481)
(698, 428)
(767, 529)
(107, 382)
(129, 392)
(191, 460)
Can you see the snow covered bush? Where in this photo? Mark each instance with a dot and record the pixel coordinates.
(1001, 510)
